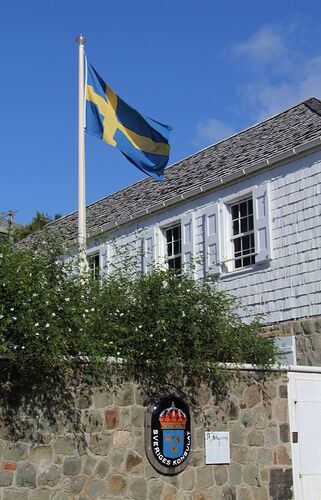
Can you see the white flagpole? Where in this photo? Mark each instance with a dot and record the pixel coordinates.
(81, 153)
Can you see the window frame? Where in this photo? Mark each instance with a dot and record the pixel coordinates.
(174, 256)
(243, 233)
(92, 254)
(227, 246)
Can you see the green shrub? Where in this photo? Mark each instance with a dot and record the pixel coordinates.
(159, 328)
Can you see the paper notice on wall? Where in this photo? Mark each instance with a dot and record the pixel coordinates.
(217, 448)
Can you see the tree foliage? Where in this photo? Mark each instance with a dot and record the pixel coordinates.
(158, 328)
(39, 221)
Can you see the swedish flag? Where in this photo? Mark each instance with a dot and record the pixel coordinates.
(142, 140)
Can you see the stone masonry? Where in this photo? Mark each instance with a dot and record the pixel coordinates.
(108, 460)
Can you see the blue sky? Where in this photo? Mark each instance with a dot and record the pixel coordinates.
(208, 68)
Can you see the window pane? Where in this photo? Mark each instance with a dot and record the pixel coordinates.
(235, 211)
(177, 263)
(238, 263)
(236, 227)
(169, 249)
(176, 232)
(237, 245)
(246, 244)
(250, 222)
(169, 235)
(244, 227)
(243, 209)
(177, 247)
(246, 261)
(250, 205)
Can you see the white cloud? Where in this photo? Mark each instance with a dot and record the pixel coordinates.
(267, 46)
(211, 131)
(270, 98)
(281, 74)
(276, 74)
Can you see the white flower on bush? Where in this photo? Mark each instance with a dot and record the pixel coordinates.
(47, 325)
(14, 318)
(67, 299)
(11, 308)
(36, 324)
(53, 314)
(1, 316)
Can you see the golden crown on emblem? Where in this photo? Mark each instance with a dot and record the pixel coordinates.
(173, 418)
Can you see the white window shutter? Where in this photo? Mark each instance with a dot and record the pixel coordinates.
(211, 239)
(149, 249)
(262, 229)
(104, 255)
(187, 235)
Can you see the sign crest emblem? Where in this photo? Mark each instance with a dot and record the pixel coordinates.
(168, 435)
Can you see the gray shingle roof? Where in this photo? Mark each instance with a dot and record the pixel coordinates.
(278, 134)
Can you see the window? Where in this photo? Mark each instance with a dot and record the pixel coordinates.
(174, 247)
(245, 229)
(243, 246)
(94, 265)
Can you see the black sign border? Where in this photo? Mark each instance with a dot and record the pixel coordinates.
(166, 471)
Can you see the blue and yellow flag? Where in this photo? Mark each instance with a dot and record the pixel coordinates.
(142, 140)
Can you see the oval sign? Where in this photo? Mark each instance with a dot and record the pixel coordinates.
(168, 435)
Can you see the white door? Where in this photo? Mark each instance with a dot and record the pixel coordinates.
(305, 426)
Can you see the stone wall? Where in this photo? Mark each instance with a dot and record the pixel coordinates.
(102, 456)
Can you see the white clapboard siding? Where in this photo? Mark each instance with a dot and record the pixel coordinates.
(187, 235)
(261, 209)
